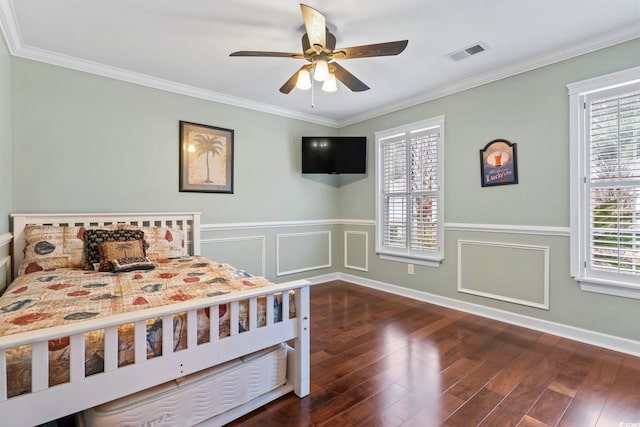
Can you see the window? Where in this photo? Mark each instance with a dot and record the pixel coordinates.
(605, 228)
(409, 191)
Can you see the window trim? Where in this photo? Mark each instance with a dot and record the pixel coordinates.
(430, 258)
(579, 240)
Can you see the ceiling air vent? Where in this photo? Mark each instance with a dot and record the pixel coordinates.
(467, 51)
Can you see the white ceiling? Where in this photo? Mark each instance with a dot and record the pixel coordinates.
(184, 46)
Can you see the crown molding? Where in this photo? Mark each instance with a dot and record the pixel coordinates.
(607, 40)
(9, 26)
(103, 70)
(11, 31)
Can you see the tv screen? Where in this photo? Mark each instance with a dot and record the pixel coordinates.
(334, 154)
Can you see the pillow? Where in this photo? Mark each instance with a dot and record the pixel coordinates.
(112, 250)
(53, 246)
(161, 242)
(122, 265)
(93, 238)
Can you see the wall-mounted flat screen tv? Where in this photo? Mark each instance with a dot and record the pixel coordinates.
(334, 154)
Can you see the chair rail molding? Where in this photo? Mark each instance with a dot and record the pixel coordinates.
(283, 224)
(540, 230)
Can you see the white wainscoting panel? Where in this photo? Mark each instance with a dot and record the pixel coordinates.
(356, 250)
(238, 251)
(5, 265)
(505, 271)
(298, 252)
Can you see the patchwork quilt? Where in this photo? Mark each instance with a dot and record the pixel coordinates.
(61, 296)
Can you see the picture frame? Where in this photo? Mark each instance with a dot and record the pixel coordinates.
(206, 158)
(499, 163)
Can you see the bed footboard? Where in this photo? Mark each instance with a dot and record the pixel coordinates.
(45, 403)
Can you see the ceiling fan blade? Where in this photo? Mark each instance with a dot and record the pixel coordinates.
(291, 83)
(315, 24)
(268, 54)
(348, 79)
(369, 50)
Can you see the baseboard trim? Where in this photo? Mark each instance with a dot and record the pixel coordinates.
(599, 339)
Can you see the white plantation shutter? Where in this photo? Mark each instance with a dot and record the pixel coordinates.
(613, 182)
(394, 160)
(424, 189)
(409, 214)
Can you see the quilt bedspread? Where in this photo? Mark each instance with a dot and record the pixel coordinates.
(63, 296)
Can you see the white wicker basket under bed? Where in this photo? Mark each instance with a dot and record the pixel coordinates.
(45, 403)
(198, 398)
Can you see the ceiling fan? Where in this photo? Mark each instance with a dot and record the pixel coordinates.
(319, 49)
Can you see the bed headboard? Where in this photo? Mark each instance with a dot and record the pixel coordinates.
(187, 221)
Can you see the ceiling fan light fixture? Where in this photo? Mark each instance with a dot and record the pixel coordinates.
(304, 80)
(321, 71)
(330, 84)
(319, 50)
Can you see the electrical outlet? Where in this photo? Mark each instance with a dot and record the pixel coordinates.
(409, 268)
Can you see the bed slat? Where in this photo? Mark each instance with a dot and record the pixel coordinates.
(301, 362)
(3, 375)
(253, 314)
(285, 306)
(140, 341)
(234, 317)
(192, 328)
(111, 349)
(76, 354)
(269, 310)
(167, 335)
(39, 366)
(214, 325)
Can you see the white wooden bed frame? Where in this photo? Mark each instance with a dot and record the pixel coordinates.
(46, 403)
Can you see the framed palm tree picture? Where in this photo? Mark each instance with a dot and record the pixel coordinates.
(206, 158)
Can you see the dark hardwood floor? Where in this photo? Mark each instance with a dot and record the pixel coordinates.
(382, 360)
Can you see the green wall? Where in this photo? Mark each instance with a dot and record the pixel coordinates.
(5, 136)
(89, 143)
(532, 110)
(5, 159)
